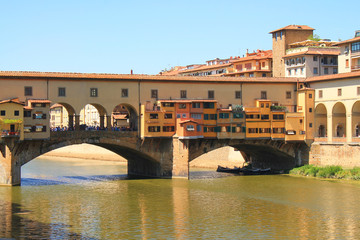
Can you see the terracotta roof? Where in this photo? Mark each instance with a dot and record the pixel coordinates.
(334, 77)
(207, 67)
(186, 100)
(135, 77)
(319, 51)
(186, 121)
(255, 56)
(294, 27)
(348, 41)
(28, 108)
(120, 116)
(12, 100)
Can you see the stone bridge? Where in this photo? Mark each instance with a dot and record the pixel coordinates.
(149, 157)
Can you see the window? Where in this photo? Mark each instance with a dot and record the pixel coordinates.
(184, 115)
(182, 93)
(182, 106)
(335, 71)
(263, 64)
(324, 60)
(93, 92)
(2, 113)
(190, 128)
(339, 92)
(280, 35)
(265, 117)
(124, 92)
(40, 128)
(347, 63)
(198, 128)
(263, 75)
(154, 116)
(289, 72)
(209, 105)
(310, 95)
(326, 71)
(355, 47)
(168, 128)
(238, 115)
(310, 109)
(61, 92)
(210, 116)
(288, 95)
(196, 105)
(310, 125)
(27, 113)
(278, 117)
(167, 104)
(275, 36)
(263, 95)
(315, 58)
(195, 116)
(211, 94)
(39, 115)
(154, 128)
(28, 91)
(223, 115)
(16, 113)
(320, 93)
(154, 93)
(315, 71)
(168, 116)
(251, 75)
(358, 90)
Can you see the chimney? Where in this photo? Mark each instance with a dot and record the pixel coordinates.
(131, 72)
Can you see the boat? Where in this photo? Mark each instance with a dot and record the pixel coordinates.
(255, 171)
(228, 170)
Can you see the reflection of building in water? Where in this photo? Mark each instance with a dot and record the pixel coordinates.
(181, 211)
(59, 117)
(89, 116)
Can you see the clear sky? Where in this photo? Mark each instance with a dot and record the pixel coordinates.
(108, 36)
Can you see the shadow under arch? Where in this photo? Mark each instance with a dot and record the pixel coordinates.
(64, 118)
(321, 120)
(339, 120)
(133, 115)
(355, 112)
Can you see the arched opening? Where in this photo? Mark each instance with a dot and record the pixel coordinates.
(321, 120)
(356, 120)
(93, 117)
(124, 117)
(339, 120)
(62, 117)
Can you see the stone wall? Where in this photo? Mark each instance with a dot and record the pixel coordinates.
(345, 155)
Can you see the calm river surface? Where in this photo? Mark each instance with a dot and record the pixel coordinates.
(93, 200)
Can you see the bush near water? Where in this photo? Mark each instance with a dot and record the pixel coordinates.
(336, 172)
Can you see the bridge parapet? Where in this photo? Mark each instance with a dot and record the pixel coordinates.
(62, 135)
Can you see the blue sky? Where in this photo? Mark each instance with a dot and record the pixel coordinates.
(148, 36)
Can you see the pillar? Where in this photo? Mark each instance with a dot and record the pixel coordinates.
(180, 158)
(77, 122)
(349, 127)
(10, 166)
(102, 121)
(71, 122)
(108, 122)
(329, 128)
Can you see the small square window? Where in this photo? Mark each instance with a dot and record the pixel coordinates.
(339, 92)
(310, 109)
(61, 92)
(2, 113)
(16, 113)
(288, 95)
(315, 70)
(263, 95)
(310, 95)
(28, 91)
(93, 92)
(237, 94)
(310, 125)
(315, 58)
(211, 94)
(154, 93)
(124, 92)
(358, 90)
(182, 93)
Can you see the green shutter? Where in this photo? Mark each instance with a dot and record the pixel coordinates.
(205, 129)
(233, 129)
(206, 116)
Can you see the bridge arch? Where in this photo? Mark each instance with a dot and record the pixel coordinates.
(339, 119)
(321, 121)
(131, 116)
(95, 115)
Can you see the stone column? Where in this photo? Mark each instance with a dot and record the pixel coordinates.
(329, 128)
(349, 127)
(108, 122)
(180, 158)
(77, 122)
(10, 166)
(102, 121)
(71, 122)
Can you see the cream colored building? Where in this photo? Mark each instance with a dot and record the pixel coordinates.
(349, 58)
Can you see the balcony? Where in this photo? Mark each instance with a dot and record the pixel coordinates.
(8, 134)
(355, 68)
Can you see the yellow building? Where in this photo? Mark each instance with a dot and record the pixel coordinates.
(11, 118)
(36, 119)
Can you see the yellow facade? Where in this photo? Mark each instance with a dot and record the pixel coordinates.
(11, 119)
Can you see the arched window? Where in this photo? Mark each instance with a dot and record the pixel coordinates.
(340, 131)
(322, 131)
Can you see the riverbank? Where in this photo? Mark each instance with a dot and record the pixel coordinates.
(328, 172)
(225, 156)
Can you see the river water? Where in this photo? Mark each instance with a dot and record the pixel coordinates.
(80, 199)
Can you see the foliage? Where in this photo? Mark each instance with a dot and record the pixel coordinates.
(314, 37)
(277, 108)
(327, 172)
(11, 121)
(237, 108)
